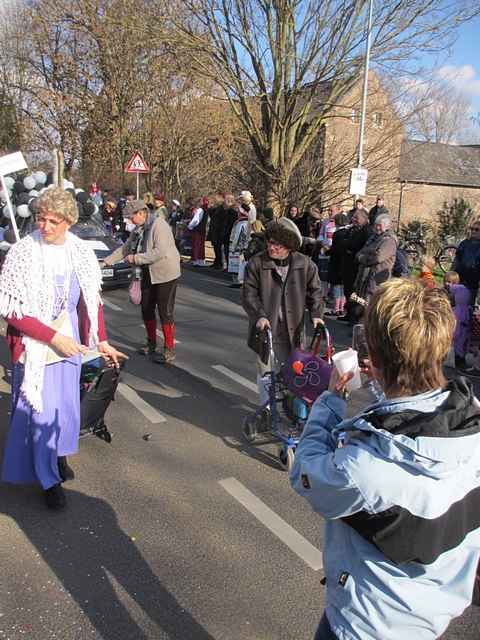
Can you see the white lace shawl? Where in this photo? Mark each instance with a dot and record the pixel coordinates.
(27, 288)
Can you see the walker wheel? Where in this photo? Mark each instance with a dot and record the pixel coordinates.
(249, 428)
(286, 457)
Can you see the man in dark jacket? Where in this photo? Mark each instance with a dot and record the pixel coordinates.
(358, 235)
(279, 283)
(378, 210)
(217, 229)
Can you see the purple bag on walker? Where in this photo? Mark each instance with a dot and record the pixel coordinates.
(307, 374)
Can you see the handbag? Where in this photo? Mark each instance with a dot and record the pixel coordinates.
(258, 341)
(135, 291)
(306, 374)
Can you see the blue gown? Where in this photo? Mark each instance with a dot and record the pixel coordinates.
(35, 440)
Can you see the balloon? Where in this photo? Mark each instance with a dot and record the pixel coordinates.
(23, 211)
(6, 211)
(33, 205)
(29, 182)
(22, 198)
(40, 177)
(9, 181)
(19, 187)
(33, 193)
(297, 366)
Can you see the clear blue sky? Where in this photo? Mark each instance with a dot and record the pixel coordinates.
(462, 64)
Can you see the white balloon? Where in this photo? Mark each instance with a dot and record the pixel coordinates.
(23, 211)
(6, 211)
(29, 182)
(33, 193)
(40, 177)
(9, 181)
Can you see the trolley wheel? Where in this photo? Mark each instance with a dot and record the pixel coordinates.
(287, 458)
(250, 428)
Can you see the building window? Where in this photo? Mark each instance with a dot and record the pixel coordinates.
(377, 119)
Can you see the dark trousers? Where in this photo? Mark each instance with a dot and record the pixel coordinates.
(324, 631)
(161, 296)
(218, 249)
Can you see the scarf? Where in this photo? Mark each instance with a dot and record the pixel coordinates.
(27, 288)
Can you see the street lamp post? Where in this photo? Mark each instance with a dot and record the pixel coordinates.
(365, 87)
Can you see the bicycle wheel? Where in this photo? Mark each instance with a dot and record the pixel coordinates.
(445, 257)
(413, 253)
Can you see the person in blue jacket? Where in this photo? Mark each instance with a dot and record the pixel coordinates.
(399, 484)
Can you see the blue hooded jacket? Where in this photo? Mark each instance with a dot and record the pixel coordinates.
(402, 504)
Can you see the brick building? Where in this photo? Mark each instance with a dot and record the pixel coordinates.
(432, 173)
(415, 178)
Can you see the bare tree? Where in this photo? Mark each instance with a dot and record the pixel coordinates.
(444, 114)
(283, 64)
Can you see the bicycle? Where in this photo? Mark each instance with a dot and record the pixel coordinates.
(415, 248)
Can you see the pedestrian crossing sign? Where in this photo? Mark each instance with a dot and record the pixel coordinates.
(137, 164)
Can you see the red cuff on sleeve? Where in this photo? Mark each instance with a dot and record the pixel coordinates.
(102, 331)
(32, 328)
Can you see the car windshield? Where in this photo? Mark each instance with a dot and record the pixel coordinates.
(86, 230)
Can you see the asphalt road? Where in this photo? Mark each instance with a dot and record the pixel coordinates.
(177, 529)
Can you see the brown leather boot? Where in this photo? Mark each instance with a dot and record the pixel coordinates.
(166, 357)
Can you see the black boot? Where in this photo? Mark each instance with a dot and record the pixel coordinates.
(460, 362)
(65, 471)
(55, 497)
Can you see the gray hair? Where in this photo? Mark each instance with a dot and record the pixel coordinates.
(384, 220)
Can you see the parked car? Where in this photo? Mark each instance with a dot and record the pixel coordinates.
(103, 245)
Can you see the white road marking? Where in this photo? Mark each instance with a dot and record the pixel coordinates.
(160, 335)
(110, 305)
(122, 345)
(287, 534)
(235, 376)
(140, 384)
(147, 410)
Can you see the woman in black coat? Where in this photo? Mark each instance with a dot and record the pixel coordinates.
(336, 252)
